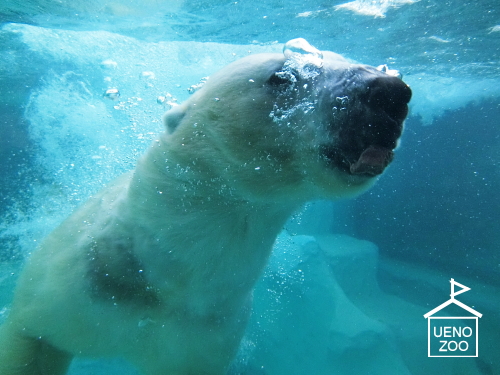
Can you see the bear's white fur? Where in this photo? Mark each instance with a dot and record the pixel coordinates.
(159, 267)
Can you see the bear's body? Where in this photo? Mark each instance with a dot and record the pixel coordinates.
(159, 267)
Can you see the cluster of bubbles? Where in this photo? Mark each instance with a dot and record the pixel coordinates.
(129, 103)
(302, 58)
(193, 88)
(302, 61)
(391, 72)
(113, 93)
(134, 111)
(283, 114)
(167, 101)
(340, 106)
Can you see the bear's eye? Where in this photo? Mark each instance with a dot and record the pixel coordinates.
(282, 77)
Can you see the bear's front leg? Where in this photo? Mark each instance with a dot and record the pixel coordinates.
(23, 355)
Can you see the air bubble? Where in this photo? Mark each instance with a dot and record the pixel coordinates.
(109, 64)
(148, 75)
(112, 94)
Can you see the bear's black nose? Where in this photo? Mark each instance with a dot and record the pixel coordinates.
(390, 95)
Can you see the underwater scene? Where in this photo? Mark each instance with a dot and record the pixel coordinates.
(269, 142)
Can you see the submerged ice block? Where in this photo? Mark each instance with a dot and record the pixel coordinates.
(303, 321)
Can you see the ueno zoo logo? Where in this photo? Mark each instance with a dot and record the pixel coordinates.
(453, 336)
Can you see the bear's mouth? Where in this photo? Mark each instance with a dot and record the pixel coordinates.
(372, 161)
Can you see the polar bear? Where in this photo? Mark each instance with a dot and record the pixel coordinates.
(158, 268)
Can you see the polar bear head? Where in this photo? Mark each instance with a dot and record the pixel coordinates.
(300, 125)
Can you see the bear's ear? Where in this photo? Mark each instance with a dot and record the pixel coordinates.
(173, 117)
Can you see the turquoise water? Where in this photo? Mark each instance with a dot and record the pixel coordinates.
(317, 310)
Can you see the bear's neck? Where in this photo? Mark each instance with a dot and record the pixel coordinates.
(192, 214)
